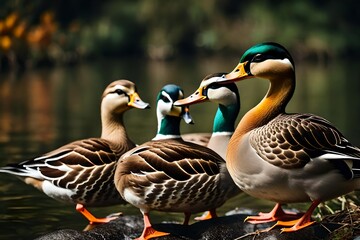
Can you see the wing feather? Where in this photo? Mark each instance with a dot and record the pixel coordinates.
(308, 137)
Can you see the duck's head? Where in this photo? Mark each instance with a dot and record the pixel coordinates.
(120, 96)
(166, 98)
(212, 90)
(266, 60)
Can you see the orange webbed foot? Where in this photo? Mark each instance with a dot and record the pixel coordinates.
(274, 215)
(207, 215)
(150, 232)
(303, 222)
(94, 220)
(297, 227)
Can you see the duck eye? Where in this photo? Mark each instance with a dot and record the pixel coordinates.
(119, 91)
(213, 86)
(205, 90)
(258, 58)
(164, 99)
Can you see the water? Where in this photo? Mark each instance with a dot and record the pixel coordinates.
(46, 108)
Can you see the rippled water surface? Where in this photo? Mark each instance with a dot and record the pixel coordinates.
(45, 108)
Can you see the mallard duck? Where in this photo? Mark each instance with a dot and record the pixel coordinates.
(168, 115)
(82, 172)
(169, 174)
(225, 117)
(283, 157)
(228, 100)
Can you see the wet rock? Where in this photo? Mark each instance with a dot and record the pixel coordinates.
(125, 227)
(227, 227)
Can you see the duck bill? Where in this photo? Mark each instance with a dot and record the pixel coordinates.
(136, 102)
(196, 97)
(186, 116)
(239, 73)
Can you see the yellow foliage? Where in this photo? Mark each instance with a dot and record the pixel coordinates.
(2, 27)
(41, 35)
(11, 20)
(20, 29)
(5, 42)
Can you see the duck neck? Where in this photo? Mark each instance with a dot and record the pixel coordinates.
(225, 118)
(273, 104)
(113, 128)
(168, 128)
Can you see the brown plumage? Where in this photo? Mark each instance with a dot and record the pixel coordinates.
(82, 172)
(172, 175)
(169, 174)
(285, 157)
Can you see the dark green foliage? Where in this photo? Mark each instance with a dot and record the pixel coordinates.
(163, 29)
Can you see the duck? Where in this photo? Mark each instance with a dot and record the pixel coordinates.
(228, 99)
(224, 120)
(169, 116)
(223, 125)
(286, 157)
(82, 172)
(169, 174)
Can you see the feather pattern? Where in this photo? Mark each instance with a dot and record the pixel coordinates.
(170, 174)
(84, 167)
(82, 171)
(292, 140)
(173, 175)
(286, 157)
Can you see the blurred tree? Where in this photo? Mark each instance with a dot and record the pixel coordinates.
(62, 31)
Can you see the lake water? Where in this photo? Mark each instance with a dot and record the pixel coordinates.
(45, 108)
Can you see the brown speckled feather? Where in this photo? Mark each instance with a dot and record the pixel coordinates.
(286, 158)
(290, 141)
(78, 166)
(172, 175)
(82, 171)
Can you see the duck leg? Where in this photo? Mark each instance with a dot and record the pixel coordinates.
(149, 232)
(92, 219)
(277, 213)
(187, 218)
(300, 223)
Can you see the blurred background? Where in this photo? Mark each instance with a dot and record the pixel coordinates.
(57, 57)
(63, 31)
